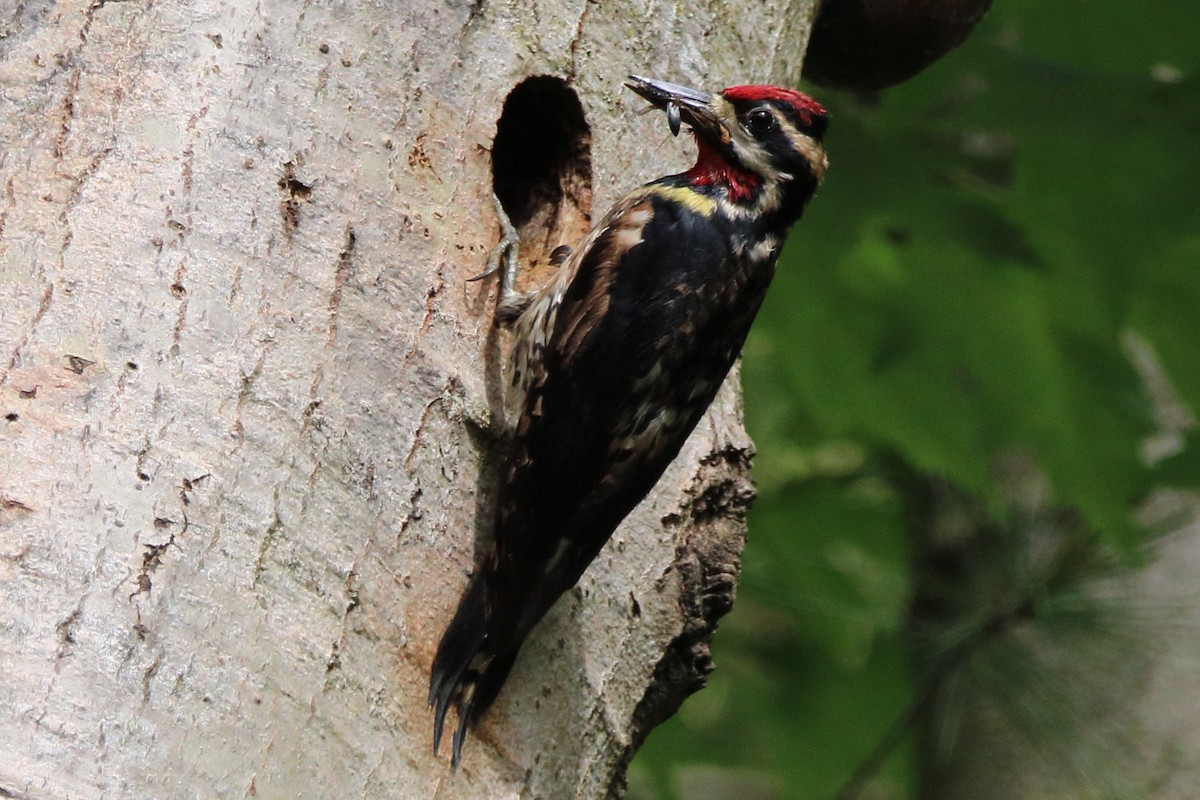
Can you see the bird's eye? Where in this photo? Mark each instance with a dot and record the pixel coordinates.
(760, 121)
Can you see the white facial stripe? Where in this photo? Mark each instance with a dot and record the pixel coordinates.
(752, 154)
(726, 113)
(755, 158)
(814, 154)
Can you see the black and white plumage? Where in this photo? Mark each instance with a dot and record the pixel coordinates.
(618, 357)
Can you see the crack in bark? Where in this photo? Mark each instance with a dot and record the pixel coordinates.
(432, 295)
(68, 109)
(139, 464)
(334, 306)
(10, 195)
(77, 184)
(573, 48)
(264, 548)
(148, 676)
(30, 329)
(189, 162)
(414, 514)
(12, 509)
(474, 14)
(296, 192)
(339, 284)
(443, 397)
(180, 291)
(248, 381)
(66, 635)
(152, 558)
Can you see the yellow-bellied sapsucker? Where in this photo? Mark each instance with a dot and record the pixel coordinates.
(616, 360)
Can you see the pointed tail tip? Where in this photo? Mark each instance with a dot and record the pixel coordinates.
(441, 693)
(446, 688)
(442, 706)
(452, 678)
(437, 736)
(460, 735)
(439, 700)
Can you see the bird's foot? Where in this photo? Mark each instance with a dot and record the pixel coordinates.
(505, 252)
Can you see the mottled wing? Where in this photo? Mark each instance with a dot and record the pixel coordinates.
(642, 332)
(533, 329)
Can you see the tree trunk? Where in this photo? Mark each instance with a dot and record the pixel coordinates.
(250, 403)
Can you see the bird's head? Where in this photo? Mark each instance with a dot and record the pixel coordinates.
(761, 144)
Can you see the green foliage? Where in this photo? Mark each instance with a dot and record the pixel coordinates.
(992, 240)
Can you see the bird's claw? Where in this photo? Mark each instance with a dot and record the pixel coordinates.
(506, 251)
(487, 273)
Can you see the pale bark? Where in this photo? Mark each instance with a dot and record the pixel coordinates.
(246, 393)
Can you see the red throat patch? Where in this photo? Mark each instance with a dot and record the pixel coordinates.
(712, 169)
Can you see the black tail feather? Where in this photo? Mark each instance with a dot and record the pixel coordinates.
(459, 646)
(476, 691)
(465, 671)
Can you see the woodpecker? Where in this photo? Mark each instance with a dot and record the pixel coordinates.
(618, 357)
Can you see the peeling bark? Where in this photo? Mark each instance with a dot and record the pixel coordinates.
(248, 398)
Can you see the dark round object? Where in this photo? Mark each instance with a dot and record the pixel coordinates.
(865, 45)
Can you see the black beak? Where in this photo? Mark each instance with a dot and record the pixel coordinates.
(694, 106)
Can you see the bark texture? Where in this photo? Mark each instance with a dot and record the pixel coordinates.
(248, 400)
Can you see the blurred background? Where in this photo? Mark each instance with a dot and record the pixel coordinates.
(973, 569)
